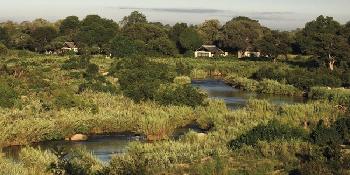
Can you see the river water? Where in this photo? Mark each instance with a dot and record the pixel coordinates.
(105, 146)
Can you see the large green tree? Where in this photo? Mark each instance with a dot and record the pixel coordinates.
(122, 46)
(96, 31)
(144, 31)
(134, 18)
(241, 33)
(322, 38)
(210, 31)
(190, 40)
(70, 26)
(275, 43)
(42, 36)
(162, 46)
(175, 32)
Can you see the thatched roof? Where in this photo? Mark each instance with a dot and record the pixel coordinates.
(210, 48)
(70, 45)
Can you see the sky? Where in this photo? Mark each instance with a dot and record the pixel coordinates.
(276, 14)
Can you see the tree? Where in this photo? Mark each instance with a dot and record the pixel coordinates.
(241, 33)
(174, 34)
(134, 18)
(122, 46)
(70, 26)
(140, 78)
(42, 37)
(274, 44)
(96, 31)
(22, 41)
(144, 32)
(176, 30)
(162, 46)
(210, 31)
(190, 39)
(322, 38)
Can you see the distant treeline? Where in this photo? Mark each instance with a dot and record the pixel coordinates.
(323, 38)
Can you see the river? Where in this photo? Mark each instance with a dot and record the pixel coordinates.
(105, 146)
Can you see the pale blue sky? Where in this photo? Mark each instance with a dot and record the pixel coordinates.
(278, 14)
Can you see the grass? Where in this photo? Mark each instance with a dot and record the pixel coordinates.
(266, 86)
(39, 114)
(337, 95)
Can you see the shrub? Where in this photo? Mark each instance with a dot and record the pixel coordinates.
(242, 83)
(140, 78)
(339, 96)
(180, 95)
(92, 69)
(3, 49)
(270, 132)
(99, 86)
(11, 168)
(299, 77)
(76, 62)
(183, 80)
(265, 86)
(36, 160)
(198, 74)
(157, 157)
(274, 87)
(183, 69)
(8, 95)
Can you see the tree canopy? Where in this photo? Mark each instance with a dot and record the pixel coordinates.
(322, 38)
(241, 33)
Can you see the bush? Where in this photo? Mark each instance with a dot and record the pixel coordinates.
(76, 62)
(339, 96)
(274, 87)
(336, 134)
(99, 86)
(300, 78)
(183, 69)
(199, 74)
(157, 157)
(8, 95)
(183, 80)
(265, 86)
(36, 160)
(180, 95)
(3, 49)
(139, 78)
(242, 83)
(270, 132)
(66, 99)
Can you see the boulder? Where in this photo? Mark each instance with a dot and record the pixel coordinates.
(79, 137)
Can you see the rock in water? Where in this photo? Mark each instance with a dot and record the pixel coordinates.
(79, 137)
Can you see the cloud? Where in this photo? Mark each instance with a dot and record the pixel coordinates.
(174, 10)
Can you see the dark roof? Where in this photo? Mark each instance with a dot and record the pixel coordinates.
(210, 48)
